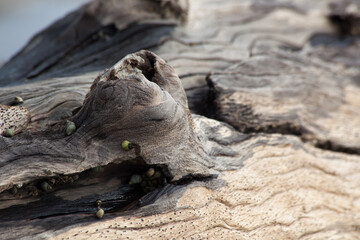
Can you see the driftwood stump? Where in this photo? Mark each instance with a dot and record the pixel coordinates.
(247, 112)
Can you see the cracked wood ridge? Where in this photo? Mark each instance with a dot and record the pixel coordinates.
(249, 110)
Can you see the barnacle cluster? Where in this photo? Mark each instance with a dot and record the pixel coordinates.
(33, 189)
(149, 180)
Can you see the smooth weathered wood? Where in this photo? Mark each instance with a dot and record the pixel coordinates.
(283, 75)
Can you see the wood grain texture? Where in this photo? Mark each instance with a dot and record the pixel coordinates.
(290, 94)
(282, 76)
(287, 191)
(141, 94)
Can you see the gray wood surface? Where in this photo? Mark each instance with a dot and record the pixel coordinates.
(249, 109)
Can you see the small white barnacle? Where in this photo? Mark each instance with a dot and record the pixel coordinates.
(70, 127)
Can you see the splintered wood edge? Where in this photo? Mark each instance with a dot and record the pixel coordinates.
(282, 192)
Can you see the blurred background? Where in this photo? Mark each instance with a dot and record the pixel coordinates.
(21, 19)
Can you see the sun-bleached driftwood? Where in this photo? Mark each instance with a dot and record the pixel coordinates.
(279, 93)
(262, 144)
(141, 94)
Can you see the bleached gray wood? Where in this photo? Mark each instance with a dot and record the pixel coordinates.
(282, 77)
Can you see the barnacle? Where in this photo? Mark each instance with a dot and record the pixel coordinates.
(126, 145)
(71, 180)
(157, 174)
(100, 213)
(150, 172)
(18, 100)
(32, 190)
(136, 178)
(51, 181)
(62, 180)
(48, 171)
(151, 179)
(70, 128)
(45, 187)
(9, 132)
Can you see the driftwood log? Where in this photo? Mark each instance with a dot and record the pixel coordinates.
(247, 111)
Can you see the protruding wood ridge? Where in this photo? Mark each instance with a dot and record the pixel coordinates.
(140, 95)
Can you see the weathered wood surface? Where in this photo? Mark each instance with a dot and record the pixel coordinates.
(282, 192)
(141, 94)
(283, 77)
(278, 93)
